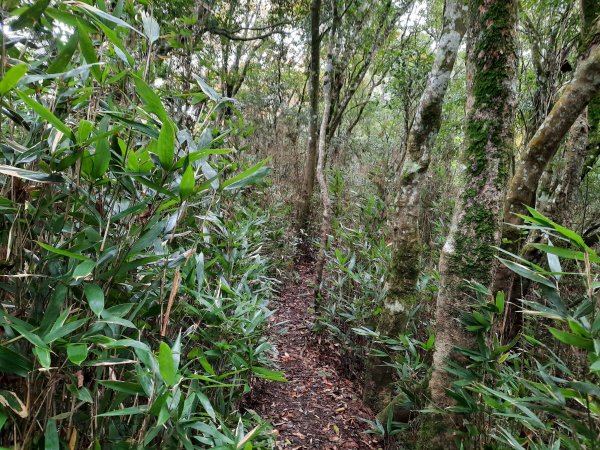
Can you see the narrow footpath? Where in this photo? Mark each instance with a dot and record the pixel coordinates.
(318, 408)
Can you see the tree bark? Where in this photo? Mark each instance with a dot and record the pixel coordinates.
(590, 12)
(313, 131)
(568, 178)
(584, 87)
(468, 253)
(404, 271)
(321, 176)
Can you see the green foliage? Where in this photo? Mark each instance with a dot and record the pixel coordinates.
(542, 390)
(134, 288)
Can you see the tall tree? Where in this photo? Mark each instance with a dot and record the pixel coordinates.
(584, 87)
(313, 124)
(404, 271)
(321, 176)
(468, 252)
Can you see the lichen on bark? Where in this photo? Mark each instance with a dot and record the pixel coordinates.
(406, 249)
(489, 136)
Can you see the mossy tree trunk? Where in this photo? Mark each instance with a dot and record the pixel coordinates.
(404, 271)
(308, 182)
(583, 88)
(468, 253)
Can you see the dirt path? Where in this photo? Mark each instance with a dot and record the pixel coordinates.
(318, 408)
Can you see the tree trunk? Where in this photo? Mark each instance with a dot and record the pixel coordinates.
(321, 176)
(541, 149)
(590, 12)
(404, 270)
(313, 132)
(568, 178)
(468, 253)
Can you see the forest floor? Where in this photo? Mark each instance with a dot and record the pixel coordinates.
(319, 407)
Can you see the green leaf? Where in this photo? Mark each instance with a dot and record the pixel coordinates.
(123, 386)
(500, 302)
(12, 77)
(150, 98)
(39, 177)
(15, 363)
(166, 365)
(120, 49)
(571, 339)
(205, 402)
(77, 353)
(44, 113)
(43, 356)
(186, 186)
(147, 238)
(523, 271)
(60, 251)
(165, 148)
(106, 16)
(89, 53)
(64, 57)
(95, 297)
(31, 337)
(564, 252)
(195, 156)
(57, 333)
(11, 400)
(83, 269)
(100, 159)
(571, 235)
(262, 372)
(247, 177)
(3, 419)
(133, 410)
(30, 16)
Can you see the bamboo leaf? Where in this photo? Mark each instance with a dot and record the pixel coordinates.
(66, 53)
(60, 251)
(51, 440)
(95, 297)
(571, 339)
(247, 177)
(83, 269)
(166, 365)
(31, 15)
(77, 353)
(186, 186)
(45, 114)
(12, 77)
(165, 148)
(89, 53)
(39, 177)
(150, 99)
(106, 16)
(131, 411)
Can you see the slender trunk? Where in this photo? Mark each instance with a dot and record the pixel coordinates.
(309, 169)
(404, 271)
(584, 87)
(568, 178)
(468, 253)
(321, 177)
(590, 11)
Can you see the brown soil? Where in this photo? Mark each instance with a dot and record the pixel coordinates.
(318, 408)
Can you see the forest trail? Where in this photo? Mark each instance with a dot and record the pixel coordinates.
(318, 408)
